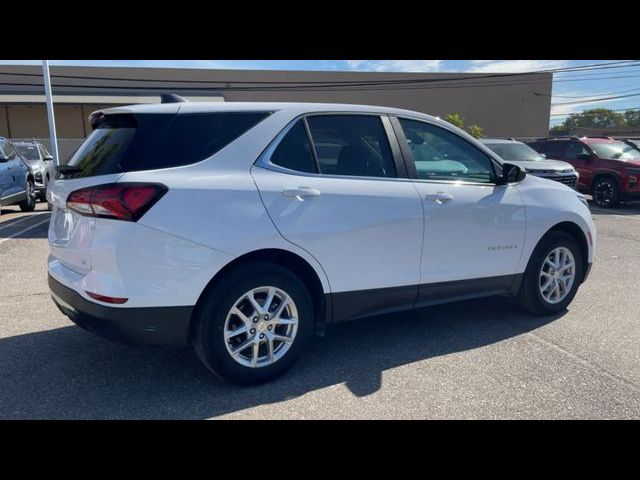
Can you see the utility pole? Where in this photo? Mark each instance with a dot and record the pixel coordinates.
(52, 121)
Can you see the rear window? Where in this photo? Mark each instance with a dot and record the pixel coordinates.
(127, 143)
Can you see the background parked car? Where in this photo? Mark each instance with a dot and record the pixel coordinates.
(16, 179)
(609, 169)
(41, 163)
(533, 162)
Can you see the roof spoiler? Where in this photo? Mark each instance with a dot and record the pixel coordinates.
(171, 98)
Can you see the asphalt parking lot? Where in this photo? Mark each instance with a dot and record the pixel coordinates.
(477, 359)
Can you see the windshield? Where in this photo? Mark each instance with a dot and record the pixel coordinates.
(617, 150)
(28, 152)
(515, 152)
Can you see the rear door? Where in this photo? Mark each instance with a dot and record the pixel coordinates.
(333, 185)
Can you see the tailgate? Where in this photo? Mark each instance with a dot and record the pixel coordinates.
(71, 234)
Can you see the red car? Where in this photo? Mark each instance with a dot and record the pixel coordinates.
(609, 169)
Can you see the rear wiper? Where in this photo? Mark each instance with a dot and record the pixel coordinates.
(68, 169)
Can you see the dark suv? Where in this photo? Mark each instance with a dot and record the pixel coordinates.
(609, 169)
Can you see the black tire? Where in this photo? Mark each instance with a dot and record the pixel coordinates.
(605, 192)
(211, 314)
(530, 296)
(29, 203)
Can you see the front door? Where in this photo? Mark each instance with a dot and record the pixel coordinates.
(474, 229)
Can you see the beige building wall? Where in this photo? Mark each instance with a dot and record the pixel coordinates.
(513, 105)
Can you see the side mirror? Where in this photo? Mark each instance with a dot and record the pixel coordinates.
(511, 174)
(4, 159)
(543, 155)
(584, 157)
(48, 158)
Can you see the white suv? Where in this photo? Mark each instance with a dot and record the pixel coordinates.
(242, 228)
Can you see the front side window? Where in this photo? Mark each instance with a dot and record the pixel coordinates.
(352, 145)
(574, 150)
(439, 154)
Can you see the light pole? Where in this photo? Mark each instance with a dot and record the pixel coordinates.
(52, 121)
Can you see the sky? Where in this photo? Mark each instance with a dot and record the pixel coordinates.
(572, 91)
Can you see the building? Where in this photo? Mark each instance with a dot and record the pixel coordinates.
(512, 105)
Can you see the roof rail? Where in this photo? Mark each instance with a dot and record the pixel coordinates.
(171, 98)
(598, 136)
(566, 137)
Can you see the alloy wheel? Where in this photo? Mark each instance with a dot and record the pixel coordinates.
(557, 275)
(261, 327)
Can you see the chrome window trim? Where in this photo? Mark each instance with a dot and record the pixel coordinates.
(264, 159)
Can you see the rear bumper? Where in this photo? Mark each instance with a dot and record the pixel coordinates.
(164, 326)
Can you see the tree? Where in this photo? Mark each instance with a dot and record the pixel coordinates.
(476, 131)
(594, 118)
(457, 120)
(632, 117)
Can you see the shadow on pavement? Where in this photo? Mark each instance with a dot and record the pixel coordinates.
(69, 373)
(27, 225)
(624, 208)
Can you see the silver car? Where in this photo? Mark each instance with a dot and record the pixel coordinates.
(534, 163)
(40, 161)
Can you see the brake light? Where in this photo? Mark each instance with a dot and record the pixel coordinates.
(120, 201)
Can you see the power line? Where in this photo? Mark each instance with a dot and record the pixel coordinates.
(580, 68)
(587, 112)
(601, 99)
(586, 96)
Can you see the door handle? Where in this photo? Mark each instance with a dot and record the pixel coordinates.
(301, 192)
(439, 197)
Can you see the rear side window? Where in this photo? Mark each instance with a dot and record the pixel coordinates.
(556, 150)
(294, 151)
(355, 145)
(126, 142)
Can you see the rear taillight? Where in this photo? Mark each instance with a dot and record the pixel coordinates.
(120, 201)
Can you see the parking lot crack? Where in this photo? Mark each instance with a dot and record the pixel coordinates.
(583, 361)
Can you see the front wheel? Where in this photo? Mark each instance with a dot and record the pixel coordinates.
(606, 193)
(254, 324)
(553, 275)
(29, 203)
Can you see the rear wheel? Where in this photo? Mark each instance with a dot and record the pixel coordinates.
(553, 275)
(605, 192)
(29, 203)
(254, 324)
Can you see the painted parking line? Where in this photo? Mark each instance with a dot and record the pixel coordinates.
(10, 222)
(24, 230)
